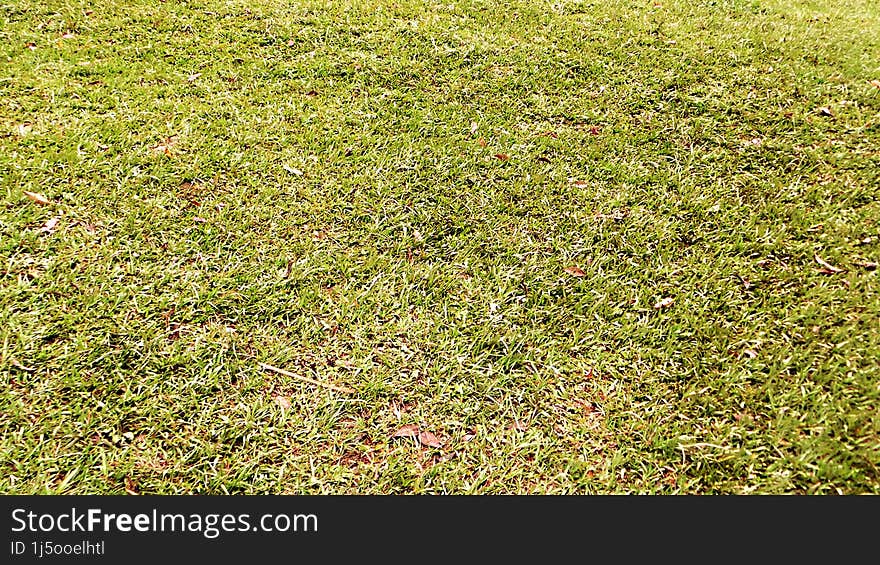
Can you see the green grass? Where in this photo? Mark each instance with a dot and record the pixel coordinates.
(672, 151)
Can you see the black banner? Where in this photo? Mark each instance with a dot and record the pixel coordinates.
(399, 528)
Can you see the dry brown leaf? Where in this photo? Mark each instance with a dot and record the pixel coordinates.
(827, 267)
(575, 271)
(37, 197)
(283, 402)
(131, 487)
(165, 146)
(481, 142)
(502, 156)
(518, 426)
(664, 303)
(409, 430)
(429, 440)
(50, 225)
(587, 407)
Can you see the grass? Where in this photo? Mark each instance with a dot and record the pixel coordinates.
(386, 196)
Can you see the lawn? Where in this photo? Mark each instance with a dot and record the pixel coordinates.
(515, 247)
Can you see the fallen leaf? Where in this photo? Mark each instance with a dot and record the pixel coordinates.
(292, 170)
(827, 267)
(189, 186)
(826, 111)
(283, 402)
(89, 12)
(50, 225)
(595, 130)
(37, 197)
(502, 156)
(409, 430)
(874, 83)
(312, 93)
(518, 426)
(664, 303)
(429, 440)
(580, 184)
(587, 407)
(165, 146)
(575, 271)
(481, 142)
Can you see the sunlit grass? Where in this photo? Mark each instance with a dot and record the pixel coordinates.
(386, 196)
